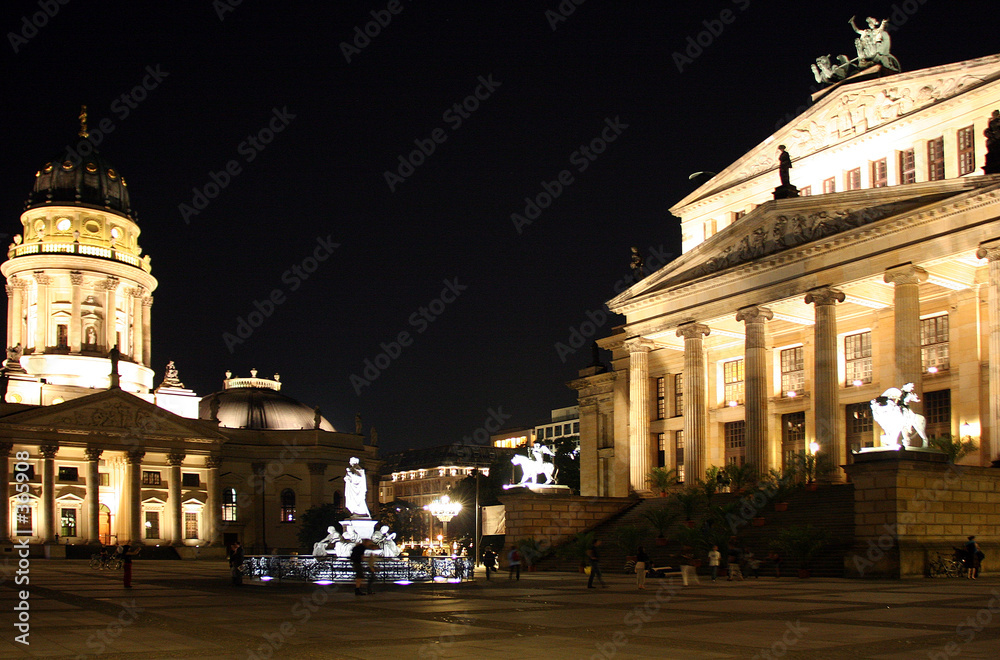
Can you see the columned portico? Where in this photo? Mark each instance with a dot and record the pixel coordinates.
(93, 501)
(638, 417)
(990, 250)
(212, 506)
(825, 377)
(133, 492)
(695, 400)
(175, 460)
(906, 281)
(755, 355)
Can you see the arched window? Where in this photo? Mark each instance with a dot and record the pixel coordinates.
(229, 504)
(288, 505)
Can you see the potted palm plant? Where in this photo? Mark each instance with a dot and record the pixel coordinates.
(956, 450)
(662, 518)
(661, 479)
(801, 543)
(743, 477)
(688, 499)
(627, 538)
(577, 549)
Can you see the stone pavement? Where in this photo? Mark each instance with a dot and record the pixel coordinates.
(188, 610)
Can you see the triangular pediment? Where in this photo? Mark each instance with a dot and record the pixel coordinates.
(113, 414)
(852, 110)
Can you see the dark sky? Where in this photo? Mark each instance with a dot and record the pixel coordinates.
(322, 177)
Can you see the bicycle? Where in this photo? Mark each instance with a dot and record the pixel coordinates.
(105, 562)
(945, 566)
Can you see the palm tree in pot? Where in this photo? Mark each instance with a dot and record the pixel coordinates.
(801, 543)
(576, 550)
(662, 479)
(662, 518)
(688, 499)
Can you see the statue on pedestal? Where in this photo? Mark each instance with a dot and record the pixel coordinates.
(355, 489)
(893, 413)
(535, 465)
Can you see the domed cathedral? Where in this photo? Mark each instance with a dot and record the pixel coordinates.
(91, 452)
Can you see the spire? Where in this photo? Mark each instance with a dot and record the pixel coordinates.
(83, 122)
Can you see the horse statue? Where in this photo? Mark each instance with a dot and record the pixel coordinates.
(893, 414)
(530, 470)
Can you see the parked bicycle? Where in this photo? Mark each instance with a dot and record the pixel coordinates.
(106, 560)
(946, 566)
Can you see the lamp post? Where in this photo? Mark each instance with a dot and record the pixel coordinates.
(444, 510)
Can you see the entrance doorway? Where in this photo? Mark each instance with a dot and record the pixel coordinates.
(104, 524)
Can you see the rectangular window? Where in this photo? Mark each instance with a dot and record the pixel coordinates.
(190, 480)
(934, 343)
(858, 358)
(104, 478)
(25, 521)
(852, 179)
(679, 456)
(937, 412)
(736, 434)
(548, 432)
(69, 474)
(661, 449)
(880, 173)
(907, 166)
(859, 425)
(805, 191)
(152, 524)
(567, 429)
(829, 185)
(966, 151)
(190, 525)
(793, 373)
(68, 519)
(62, 336)
(732, 378)
(576, 427)
(678, 395)
(793, 436)
(935, 159)
(150, 478)
(661, 398)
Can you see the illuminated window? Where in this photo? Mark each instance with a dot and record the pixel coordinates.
(732, 377)
(68, 474)
(966, 151)
(858, 358)
(735, 436)
(288, 505)
(805, 191)
(935, 159)
(880, 173)
(934, 343)
(852, 179)
(190, 525)
(229, 504)
(678, 395)
(152, 524)
(25, 521)
(793, 374)
(150, 478)
(104, 478)
(859, 425)
(661, 397)
(937, 412)
(62, 336)
(68, 519)
(829, 185)
(793, 436)
(679, 455)
(907, 166)
(661, 449)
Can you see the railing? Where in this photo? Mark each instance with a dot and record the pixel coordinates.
(76, 248)
(308, 568)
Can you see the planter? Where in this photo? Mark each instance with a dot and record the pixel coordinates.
(781, 506)
(759, 522)
(803, 573)
(661, 541)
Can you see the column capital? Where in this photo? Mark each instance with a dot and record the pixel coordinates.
(75, 277)
(317, 468)
(989, 250)
(639, 345)
(213, 461)
(147, 301)
(93, 453)
(41, 277)
(754, 314)
(111, 283)
(17, 282)
(48, 451)
(693, 330)
(905, 274)
(825, 296)
(134, 456)
(175, 458)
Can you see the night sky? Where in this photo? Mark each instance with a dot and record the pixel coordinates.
(217, 75)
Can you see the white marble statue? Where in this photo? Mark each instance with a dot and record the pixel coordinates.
(320, 547)
(530, 469)
(386, 542)
(892, 412)
(356, 489)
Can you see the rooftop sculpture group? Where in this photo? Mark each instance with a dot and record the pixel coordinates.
(873, 45)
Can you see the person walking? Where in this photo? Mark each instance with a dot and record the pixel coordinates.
(753, 564)
(714, 556)
(127, 555)
(641, 563)
(358, 562)
(236, 563)
(972, 558)
(594, 557)
(514, 561)
(733, 562)
(489, 560)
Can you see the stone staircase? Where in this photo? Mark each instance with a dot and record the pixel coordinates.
(830, 507)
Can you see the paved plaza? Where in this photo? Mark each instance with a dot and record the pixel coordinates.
(188, 610)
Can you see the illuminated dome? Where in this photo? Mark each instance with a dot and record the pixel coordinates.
(74, 179)
(256, 404)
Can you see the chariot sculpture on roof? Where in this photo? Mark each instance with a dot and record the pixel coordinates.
(872, 45)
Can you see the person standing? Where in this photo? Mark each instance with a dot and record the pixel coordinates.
(514, 561)
(714, 556)
(773, 556)
(972, 558)
(594, 557)
(641, 562)
(127, 555)
(489, 560)
(236, 563)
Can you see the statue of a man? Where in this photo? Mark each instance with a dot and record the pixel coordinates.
(873, 42)
(637, 265)
(355, 489)
(784, 164)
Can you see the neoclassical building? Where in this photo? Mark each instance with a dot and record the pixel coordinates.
(784, 317)
(108, 456)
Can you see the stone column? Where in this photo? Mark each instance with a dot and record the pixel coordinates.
(11, 317)
(110, 314)
(175, 460)
(5, 448)
(136, 341)
(317, 479)
(75, 316)
(825, 379)
(638, 413)
(213, 507)
(15, 321)
(133, 494)
(991, 250)
(695, 401)
(47, 516)
(147, 339)
(41, 310)
(755, 354)
(93, 496)
(906, 281)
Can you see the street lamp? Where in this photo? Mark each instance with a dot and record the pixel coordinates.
(444, 510)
